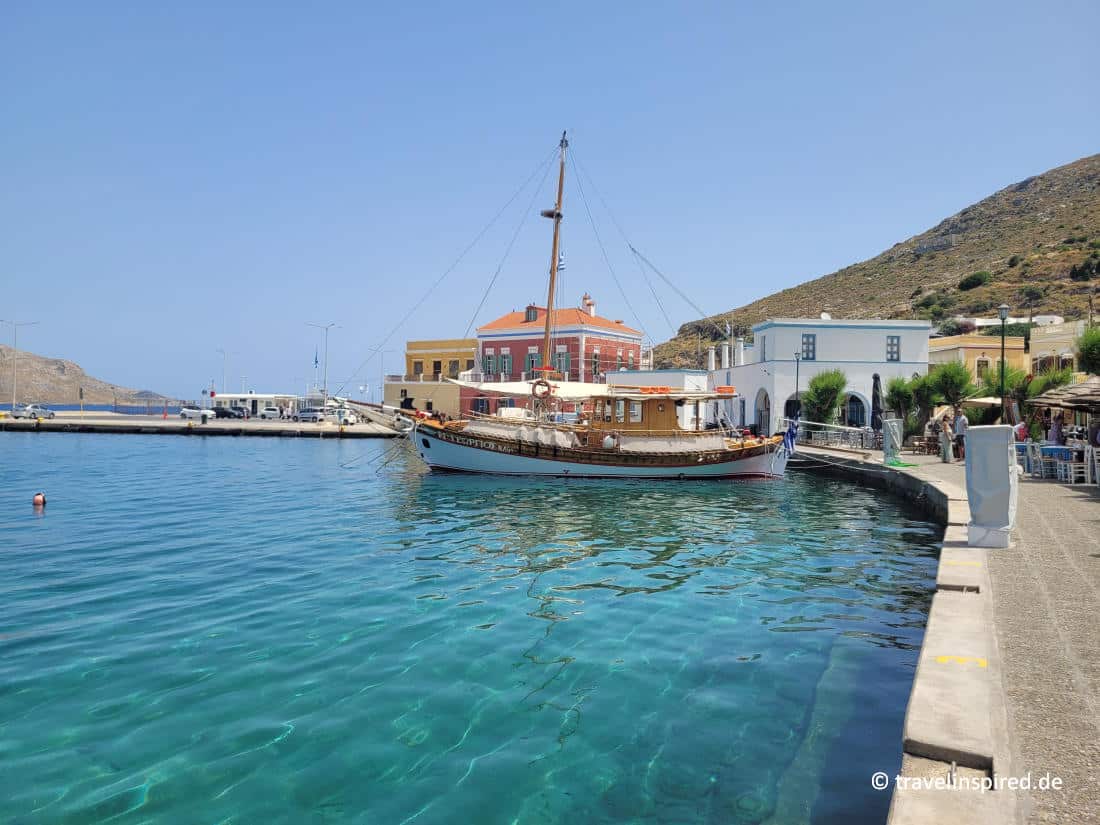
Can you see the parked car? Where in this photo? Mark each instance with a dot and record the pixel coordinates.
(32, 411)
(224, 412)
(310, 415)
(269, 412)
(344, 416)
(192, 412)
(242, 412)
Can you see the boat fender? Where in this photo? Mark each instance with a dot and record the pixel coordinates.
(609, 442)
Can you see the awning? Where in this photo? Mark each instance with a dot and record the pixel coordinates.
(581, 391)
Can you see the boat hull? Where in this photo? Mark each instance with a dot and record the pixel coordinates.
(443, 451)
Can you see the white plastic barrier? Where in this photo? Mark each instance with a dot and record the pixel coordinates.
(992, 484)
(891, 440)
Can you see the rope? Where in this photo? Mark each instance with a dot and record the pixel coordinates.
(677, 290)
(508, 250)
(603, 251)
(447, 272)
(392, 449)
(626, 240)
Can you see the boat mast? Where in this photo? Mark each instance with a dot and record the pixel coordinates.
(547, 364)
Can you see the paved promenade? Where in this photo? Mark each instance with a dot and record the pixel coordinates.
(1045, 604)
(1046, 608)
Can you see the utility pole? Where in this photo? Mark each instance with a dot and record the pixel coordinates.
(15, 352)
(1002, 310)
(324, 391)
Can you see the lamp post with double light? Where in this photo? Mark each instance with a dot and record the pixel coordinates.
(797, 399)
(15, 352)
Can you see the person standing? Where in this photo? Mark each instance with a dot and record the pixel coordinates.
(945, 439)
(962, 424)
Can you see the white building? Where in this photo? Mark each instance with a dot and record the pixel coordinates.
(765, 374)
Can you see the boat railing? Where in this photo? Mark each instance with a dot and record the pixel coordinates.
(835, 435)
(577, 426)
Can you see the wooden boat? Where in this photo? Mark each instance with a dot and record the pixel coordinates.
(622, 432)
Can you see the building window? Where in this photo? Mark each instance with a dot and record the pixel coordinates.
(562, 363)
(809, 347)
(404, 393)
(619, 360)
(506, 402)
(620, 411)
(534, 359)
(532, 314)
(763, 347)
(630, 361)
(487, 364)
(428, 406)
(505, 365)
(635, 412)
(469, 363)
(452, 368)
(595, 363)
(437, 368)
(418, 367)
(982, 367)
(481, 405)
(893, 347)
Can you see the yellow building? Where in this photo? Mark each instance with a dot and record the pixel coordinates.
(980, 353)
(433, 360)
(427, 364)
(1054, 346)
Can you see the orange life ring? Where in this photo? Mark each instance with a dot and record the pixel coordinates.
(543, 385)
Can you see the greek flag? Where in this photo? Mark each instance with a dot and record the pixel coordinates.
(791, 436)
(561, 261)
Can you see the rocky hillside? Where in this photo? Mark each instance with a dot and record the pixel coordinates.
(1034, 245)
(56, 381)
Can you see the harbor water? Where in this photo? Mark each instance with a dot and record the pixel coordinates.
(281, 630)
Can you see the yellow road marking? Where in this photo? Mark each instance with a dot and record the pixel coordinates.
(961, 660)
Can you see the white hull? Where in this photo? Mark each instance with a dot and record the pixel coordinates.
(439, 454)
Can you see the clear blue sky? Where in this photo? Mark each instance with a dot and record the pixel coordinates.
(179, 177)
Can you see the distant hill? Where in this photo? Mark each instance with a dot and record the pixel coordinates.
(1034, 245)
(56, 381)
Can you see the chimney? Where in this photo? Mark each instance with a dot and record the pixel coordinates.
(725, 356)
(588, 305)
(739, 353)
(710, 359)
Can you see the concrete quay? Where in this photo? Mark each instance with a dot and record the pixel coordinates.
(1007, 687)
(69, 422)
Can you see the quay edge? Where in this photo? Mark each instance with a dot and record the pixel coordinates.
(956, 722)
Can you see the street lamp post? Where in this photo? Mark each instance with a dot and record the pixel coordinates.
(1003, 312)
(797, 400)
(324, 391)
(15, 352)
(225, 357)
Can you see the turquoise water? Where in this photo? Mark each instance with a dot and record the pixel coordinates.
(273, 630)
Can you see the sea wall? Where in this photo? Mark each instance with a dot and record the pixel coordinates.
(955, 741)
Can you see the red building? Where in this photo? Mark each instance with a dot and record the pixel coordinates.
(585, 347)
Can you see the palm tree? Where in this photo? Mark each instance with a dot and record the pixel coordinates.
(953, 383)
(822, 398)
(899, 398)
(925, 398)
